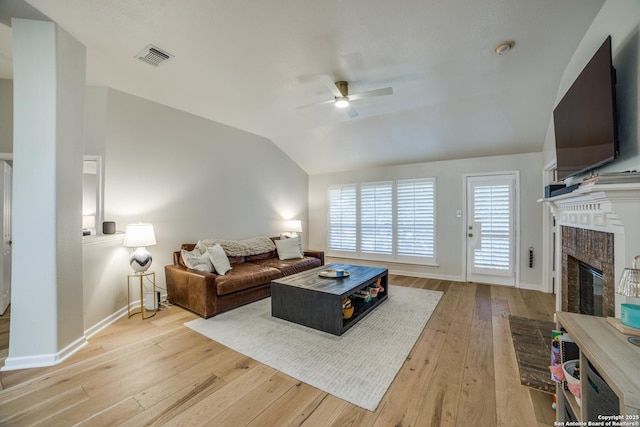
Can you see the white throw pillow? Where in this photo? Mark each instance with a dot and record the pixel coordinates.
(219, 259)
(289, 248)
(201, 246)
(197, 261)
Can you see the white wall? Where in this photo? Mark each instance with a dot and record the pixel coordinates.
(190, 177)
(450, 239)
(46, 318)
(621, 20)
(106, 265)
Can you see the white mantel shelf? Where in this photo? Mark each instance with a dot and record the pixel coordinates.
(601, 207)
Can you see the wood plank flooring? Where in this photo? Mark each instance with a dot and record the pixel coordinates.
(462, 371)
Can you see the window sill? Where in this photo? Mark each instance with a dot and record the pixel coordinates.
(345, 255)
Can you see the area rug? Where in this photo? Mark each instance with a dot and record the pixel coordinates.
(358, 366)
(532, 343)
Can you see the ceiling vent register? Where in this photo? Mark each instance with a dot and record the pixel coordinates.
(153, 55)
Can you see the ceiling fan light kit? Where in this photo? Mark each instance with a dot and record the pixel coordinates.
(341, 97)
(342, 101)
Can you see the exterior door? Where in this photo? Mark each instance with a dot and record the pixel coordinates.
(491, 229)
(5, 229)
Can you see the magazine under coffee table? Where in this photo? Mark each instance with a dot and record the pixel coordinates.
(310, 300)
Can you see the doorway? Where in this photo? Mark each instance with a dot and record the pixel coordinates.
(490, 229)
(5, 230)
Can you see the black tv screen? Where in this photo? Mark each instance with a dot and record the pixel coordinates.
(585, 118)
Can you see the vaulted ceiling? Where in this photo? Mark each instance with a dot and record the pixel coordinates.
(251, 63)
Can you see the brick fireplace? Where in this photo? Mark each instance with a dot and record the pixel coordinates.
(596, 249)
(599, 227)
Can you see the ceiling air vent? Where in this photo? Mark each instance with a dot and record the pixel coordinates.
(153, 55)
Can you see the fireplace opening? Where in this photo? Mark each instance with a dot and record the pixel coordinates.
(595, 250)
(590, 285)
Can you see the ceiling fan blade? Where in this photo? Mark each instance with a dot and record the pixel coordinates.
(331, 101)
(371, 93)
(351, 112)
(330, 84)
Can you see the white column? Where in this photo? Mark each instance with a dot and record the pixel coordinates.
(49, 84)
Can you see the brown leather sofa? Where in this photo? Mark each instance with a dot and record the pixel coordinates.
(208, 294)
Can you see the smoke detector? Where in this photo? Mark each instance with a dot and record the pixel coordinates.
(504, 47)
(153, 55)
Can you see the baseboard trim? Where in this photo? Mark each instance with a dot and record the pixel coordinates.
(135, 305)
(530, 286)
(425, 275)
(91, 331)
(43, 360)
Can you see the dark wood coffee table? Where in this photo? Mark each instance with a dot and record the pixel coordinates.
(310, 300)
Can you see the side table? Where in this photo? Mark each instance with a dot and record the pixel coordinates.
(149, 275)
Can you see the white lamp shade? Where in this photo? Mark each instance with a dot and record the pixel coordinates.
(294, 225)
(629, 284)
(139, 235)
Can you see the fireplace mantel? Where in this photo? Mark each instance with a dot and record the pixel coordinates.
(600, 207)
(609, 208)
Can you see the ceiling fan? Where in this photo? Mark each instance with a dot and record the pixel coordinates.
(342, 98)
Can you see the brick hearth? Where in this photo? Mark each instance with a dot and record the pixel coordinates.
(596, 249)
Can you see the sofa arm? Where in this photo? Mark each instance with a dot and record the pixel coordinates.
(315, 254)
(191, 289)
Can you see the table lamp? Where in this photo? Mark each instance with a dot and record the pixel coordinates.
(140, 236)
(293, 227)
(630, 286)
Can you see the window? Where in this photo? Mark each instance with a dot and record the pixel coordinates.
(392, 220)
(492, 210)
(342, 218)
(416, 218)
(376, 218)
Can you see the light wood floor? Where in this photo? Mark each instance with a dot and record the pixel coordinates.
(461, 372)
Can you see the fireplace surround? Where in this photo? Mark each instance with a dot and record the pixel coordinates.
(598, 225)
(592, 248)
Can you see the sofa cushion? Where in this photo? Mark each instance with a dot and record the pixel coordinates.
(270, 254)
(244, 276)
(196, 261)
(290, 266)
(289, 248)
(186, 247)
(219, 259)
(233, 260)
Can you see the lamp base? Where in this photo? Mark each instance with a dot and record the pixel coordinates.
(140, 260)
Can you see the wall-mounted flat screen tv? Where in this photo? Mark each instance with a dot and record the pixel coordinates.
(585, 118)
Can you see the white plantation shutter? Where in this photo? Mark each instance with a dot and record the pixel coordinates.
(376, 218)
(492, 211)
(416, 218)
(342, 218)
(384, 221)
